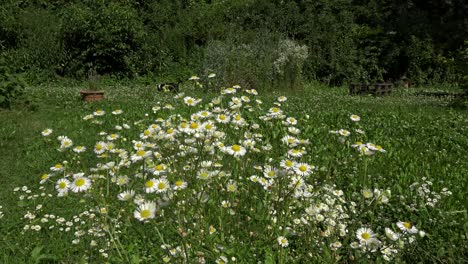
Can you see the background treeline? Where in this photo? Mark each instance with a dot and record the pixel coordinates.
(261, 43)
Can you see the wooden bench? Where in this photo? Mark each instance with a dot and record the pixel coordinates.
(379, 89)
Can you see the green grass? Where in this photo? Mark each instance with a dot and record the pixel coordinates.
(422, 136)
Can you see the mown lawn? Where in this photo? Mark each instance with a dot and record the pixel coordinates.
(423, 173)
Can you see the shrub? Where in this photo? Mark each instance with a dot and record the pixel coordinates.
(289, 63)
(39, 51)
(11, 86)
(100, 35)
(264, 63)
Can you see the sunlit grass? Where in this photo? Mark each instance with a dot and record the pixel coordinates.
(319, 186)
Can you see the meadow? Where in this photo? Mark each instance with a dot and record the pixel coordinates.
(236, 176)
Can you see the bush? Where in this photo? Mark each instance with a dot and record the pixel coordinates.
(39, 51)
(11, 86)
(264, 63)
(102, 36)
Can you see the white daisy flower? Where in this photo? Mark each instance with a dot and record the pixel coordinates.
(44, 178)
(140, 155)
(151, 186)
(112, 137)
(57, 167)
(162, 185)
(282, 241)
(270, 172)
(344, 132)
(179, 185)
(365, 235)
(222, 118)
(65, 143)
(236, 150)
(145, 211)
(79, 149)
(99, 112)
(87, 117)
(407, 227)
(291, 121)
(222, 260)
(355, 118)
(80, 184)
(287, 164)
(303, 169)
(46, 132)
(62, 185)
(282, 99)
(126, 195)
(100, 147)
(191, 101)
(391, 235)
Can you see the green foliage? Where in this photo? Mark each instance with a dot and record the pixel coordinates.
(347, 40)
(265, 62)
(99, 35)
(12, 86)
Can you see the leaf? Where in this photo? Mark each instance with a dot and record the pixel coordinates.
(269, 258)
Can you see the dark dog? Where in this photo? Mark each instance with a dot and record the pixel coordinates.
(168, 87)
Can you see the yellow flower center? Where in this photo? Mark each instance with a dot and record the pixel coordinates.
(170, 130)
(183, 125)
(236, 148)
(407, 225)
(159, 167)
(288, 163)
(122, 180)
(193, 125)
(179, 183)
(44, 176)
(238, 117)
(145, 213)
(161, 186)
(365, 236)
(62, 185)
(303, 168)
(271, 173)
(222, 117)
(146, 132)
(208, 126)
(141, 153)
(149, 184)
(58, 166)
(80, 182)
(190, 101)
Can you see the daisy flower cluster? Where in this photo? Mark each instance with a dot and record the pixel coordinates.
(390, 243)
(363, 148)
(426, 195)
(208, 177)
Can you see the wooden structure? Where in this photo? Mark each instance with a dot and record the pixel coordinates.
(89, 96)
(379, 89)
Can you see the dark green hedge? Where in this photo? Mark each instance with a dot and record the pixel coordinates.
(346, 40)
